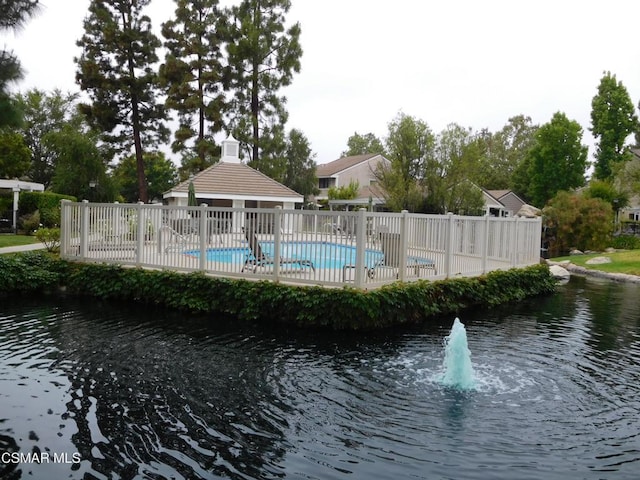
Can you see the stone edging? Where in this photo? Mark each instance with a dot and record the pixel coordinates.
(617, 277)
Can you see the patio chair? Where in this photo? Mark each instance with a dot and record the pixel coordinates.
(390, 244)
(258, 258)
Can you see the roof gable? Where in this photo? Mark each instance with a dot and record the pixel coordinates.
(234, 179)
(337, 166)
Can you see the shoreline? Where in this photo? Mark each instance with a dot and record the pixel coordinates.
(589, 272)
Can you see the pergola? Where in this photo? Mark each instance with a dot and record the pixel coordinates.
(16, 186)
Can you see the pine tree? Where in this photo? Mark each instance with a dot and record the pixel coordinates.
(263, 56)
(116, 68)
(13, 14)
(193, 76)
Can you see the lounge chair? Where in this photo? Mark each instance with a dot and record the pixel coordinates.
(390, 243)
(258, 258)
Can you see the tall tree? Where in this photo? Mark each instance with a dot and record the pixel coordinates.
(300, 174)
(410, 143)
(13, 15)
(558, 160)
(501, 153)
(263, 55)
(362, 144)
(15, 157)
(613, 119)
(450, 175)
(160, 172)
(194, 77)
(116, 68)
(80, 169)
(43, 114)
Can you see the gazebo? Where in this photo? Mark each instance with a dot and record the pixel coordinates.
(230, 183)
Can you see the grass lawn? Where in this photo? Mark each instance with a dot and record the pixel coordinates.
(627, 261)
(10, 240)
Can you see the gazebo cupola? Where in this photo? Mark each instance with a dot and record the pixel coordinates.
(230, 150)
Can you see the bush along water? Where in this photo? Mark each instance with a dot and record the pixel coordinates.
(339, 309)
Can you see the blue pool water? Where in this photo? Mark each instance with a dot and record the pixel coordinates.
(322, 254)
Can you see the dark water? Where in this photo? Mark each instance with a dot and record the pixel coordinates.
(133, 393)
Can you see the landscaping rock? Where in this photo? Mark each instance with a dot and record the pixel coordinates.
(598, 261)
(559, 272)
(575, 251)
(528, 211)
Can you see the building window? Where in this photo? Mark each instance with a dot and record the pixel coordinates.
(326, 182)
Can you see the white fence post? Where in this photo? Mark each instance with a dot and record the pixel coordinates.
(404, 245)
(84, 229)
(485, 244)
(204, 235)
(361, 244)
(140, 231)
(448, 253)
(516, 227)
(277, 239)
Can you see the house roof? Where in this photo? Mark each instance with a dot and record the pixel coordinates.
(224, 180)
(337, 166)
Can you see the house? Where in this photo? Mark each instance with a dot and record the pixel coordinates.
(502, 203)
(357, 168)
(230, 183)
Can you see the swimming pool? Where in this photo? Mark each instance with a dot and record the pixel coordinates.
(322, 254)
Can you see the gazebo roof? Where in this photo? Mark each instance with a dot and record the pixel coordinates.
(235, 180)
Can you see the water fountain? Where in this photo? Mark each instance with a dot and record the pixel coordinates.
(458, 371)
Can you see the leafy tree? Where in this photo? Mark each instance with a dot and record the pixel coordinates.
(300, 174)
(450, 173)
(578, 222)
(159, 171)
(362, 145)
(13, 15)
(116, 69)
(501, 154)
(557, 160)
(613, 119)
(45, 113)
(193, 75)
(608, 192)
(410, 143)
(263, 56)
(15, 157)
(345, 192)
(80, 168)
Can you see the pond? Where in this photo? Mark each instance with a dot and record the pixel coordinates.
(92, 390)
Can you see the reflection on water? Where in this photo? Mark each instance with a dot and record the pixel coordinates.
(139, 393)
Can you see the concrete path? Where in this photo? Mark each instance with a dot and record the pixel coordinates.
(22, 248)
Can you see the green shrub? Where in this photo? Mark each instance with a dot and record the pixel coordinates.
(578, 222)
(338, 309)
(29, 223)
(626, 242)
(50, 237)
(47, 203)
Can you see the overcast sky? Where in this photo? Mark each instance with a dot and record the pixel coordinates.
(475, 63)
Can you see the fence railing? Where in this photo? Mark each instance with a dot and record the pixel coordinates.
(362, 249)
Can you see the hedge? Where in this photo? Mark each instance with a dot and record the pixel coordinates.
(47, 203)
(338, 309)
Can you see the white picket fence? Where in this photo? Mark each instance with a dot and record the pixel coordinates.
(362, 249)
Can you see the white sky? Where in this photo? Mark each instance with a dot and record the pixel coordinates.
(472, 62)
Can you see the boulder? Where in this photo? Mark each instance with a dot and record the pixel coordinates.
(559, 272)
(575, 251)
(598, 260)
(528, 211)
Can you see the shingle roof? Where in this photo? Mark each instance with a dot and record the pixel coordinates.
(235, 179)
(331, 168)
